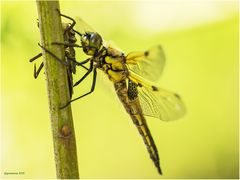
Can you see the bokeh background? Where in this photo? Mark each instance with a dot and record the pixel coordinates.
(200, 40)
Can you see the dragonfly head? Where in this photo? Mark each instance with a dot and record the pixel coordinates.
(91, 43)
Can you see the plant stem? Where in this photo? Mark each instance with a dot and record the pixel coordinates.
(58, 91)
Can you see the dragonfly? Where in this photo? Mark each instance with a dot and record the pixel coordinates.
(133, 76)
(70, 60)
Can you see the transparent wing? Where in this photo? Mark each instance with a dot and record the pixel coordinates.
(161, 104)
(148, 64)
(110, 44)
(82, 27)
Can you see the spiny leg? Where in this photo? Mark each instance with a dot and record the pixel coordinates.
(67, 44)
(53, 55)
(63, 62)
(77, 32)
(71, 59)
(70, 71)
(79, 63)
(82, 62)
(92, 89)
(35, 57)
(71, 26)
(71, 45)
(36, 72)
(86, 74)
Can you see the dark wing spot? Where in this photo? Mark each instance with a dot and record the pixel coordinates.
(154, 88)
(177, 96)
(146, 53)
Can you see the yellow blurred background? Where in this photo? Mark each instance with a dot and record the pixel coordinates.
(200, 40)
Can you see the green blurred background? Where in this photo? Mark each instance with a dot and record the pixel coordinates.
(200, 39)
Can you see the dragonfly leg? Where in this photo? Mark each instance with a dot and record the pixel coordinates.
(86, 74)
(63, 62)
(92, 89)
(77, 32)
(79, 63)
(53, 55)
(67, 44)
(35, 57)
(72, 24)
(82, 62)
(70, 44)
(36, 72)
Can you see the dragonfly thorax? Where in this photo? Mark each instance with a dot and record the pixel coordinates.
(91, 43)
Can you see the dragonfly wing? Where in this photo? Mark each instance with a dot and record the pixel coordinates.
(161, 104)
(82, 27)
(148, 64)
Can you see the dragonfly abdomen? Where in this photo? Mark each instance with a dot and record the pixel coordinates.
(141, 124)
(133, 108)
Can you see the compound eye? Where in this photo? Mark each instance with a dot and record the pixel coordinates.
(93, 38)
(85, 41)
(96, 40)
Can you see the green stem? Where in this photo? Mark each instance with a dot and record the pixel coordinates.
(58, 93)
